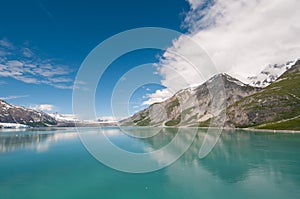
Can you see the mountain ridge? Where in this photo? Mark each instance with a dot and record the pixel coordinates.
(246, 105)
(269, 74)
(194, 105)
(276, 106)
(20, 115)
(280, 101)
(13, 116)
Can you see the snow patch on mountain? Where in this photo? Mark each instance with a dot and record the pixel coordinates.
(270, 74)
(65, 117)
(12, 125)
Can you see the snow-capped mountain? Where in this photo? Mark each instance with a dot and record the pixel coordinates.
(71, 120)
(275, 107)
(246, 105)
(64, 117)
(269, 74)
(19, 115)
(12, 125)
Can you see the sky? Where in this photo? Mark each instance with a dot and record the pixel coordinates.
(43, 44)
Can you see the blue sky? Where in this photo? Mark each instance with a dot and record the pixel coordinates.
(43, 43)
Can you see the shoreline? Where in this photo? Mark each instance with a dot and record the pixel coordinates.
(272, 131)
(224, 128)
(252, 130)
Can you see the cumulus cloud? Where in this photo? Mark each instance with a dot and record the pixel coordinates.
(244, 36)
(241, 37)
(196, 3)
(158, 96)
(43, 107)
(29, 68)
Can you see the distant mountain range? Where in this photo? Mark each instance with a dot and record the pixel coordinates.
(12, 116)
(276, 106)
(17, 114)
(272, 103)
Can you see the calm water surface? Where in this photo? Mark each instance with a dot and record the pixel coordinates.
(54, 164)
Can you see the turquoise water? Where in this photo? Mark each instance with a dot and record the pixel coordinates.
(55, 164)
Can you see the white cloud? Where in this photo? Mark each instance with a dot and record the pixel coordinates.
(158, 96)
(27, 52)
(48, 70)
(240, 36)
(5, 43)
(60, 79)
(14, 63)
(196, 3)
(61, 86)
(29, 80)
(28, 73)
(3, 53)
(244, 36)
(43, 107)
(13, 97)
(32, 69)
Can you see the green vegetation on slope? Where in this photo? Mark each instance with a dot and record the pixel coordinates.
(173, 122)
(205, 123)
(172, 105)
(293, 124)
(145, 122)
(40, 124)
(279, 101)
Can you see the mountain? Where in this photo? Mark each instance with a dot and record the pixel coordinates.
(269, 74)
(193, 106)
(275, 107)
(12, 116)
(20, 115)
(64, 117)
(71, 120)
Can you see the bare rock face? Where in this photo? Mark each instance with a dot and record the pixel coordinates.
(194, 106)
(223, 96)
(277, 102)
(17, 114)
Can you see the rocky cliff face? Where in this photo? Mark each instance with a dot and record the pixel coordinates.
(276, 106)
(278, 102)
(17, 114)
(194, 106)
